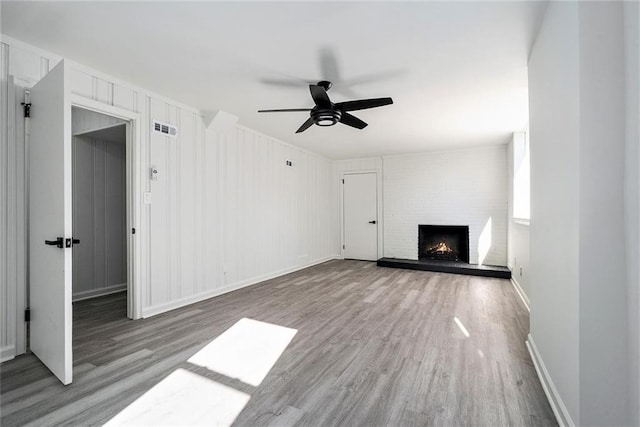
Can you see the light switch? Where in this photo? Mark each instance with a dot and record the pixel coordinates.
(146, 198)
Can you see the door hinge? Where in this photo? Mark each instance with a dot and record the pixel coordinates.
(343, 181)
(27, 314)
(133, 231)
(27, 108)
(343, 247)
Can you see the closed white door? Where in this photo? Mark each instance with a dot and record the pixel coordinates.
(50, 238)
(360, 202)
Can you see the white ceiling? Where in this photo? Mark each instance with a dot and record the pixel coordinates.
(455, 70)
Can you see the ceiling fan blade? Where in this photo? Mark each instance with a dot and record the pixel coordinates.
(306, 125)
(352, 121)
(320, 96)
(284, 110)
(292, 82)
(363, 104)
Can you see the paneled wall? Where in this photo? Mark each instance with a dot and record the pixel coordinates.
(99, 215)
(13, 196)
(225, 211)
(462, 187)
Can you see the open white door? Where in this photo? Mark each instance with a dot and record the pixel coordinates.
(50, 237)
(360, 204)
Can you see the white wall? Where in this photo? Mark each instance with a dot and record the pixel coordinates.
(226, 211)
(463, 187)
(99, 215)
(579, 289)
(518, 232)
(632, 197)
(555, 138)
(604, 397)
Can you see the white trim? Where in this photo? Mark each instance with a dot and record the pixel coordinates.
(7, 353)
(359, 172)
(52, 56)
(521, 292)
(93, 293)
(522, 221)
(359, 159)
(100, 107)
(379, 228)
(135, 207)
(19, 44)
(557, 405)
(172, 305)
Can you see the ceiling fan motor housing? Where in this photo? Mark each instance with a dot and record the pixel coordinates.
(325, 116)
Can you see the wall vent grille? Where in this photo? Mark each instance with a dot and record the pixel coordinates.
(165, 129)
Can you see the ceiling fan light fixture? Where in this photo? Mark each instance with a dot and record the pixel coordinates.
(326, 122)
(325, 116)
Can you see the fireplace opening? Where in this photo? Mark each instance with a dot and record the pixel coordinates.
(443, 242)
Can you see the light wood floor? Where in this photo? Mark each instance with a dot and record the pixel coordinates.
(375, 346)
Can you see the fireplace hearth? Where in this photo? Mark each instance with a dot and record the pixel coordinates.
(443, 243)
(445, 249)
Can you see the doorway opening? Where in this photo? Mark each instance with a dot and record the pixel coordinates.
(100, 193)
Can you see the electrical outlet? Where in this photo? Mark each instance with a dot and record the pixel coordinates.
(520, 271)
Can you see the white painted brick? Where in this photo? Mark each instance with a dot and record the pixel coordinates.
(462, 187)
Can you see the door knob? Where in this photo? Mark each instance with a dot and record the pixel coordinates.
(372, 222)
(59, 242)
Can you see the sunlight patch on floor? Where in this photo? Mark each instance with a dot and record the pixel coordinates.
(246, 351)
(184, 398)
(461, 326)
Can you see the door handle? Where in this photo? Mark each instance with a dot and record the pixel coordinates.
(62, 243)
(59, 242)
(372, 222)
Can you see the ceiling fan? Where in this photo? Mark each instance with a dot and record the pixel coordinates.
(326, 113)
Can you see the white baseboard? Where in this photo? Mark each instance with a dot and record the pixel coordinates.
(93, 293)
(163, 308)
(7, 353)
(521, 292)
(557, 405)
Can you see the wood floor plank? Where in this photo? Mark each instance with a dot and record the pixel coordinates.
(373, 346)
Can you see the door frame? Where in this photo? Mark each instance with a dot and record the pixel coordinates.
(379, 221)
(134, 208)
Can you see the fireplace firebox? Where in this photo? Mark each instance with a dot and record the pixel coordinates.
(443, 242)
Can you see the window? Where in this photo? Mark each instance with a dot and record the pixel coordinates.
(521, 179)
